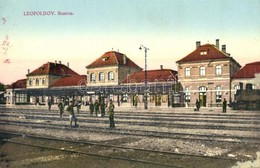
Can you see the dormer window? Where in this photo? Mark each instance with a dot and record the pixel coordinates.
(105, 58)
(203, 53)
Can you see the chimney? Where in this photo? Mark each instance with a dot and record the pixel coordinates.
(224, 48)
(59, 62)
(124, 59)
(28, 71)
(217, 43)
(197, 44)
(68, 64)
(161, 67)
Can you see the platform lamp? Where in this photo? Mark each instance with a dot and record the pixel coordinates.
(145, 75)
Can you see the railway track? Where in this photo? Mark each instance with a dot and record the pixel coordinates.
(209, 128)
(139, 133)
(160, 121)
(112, 152)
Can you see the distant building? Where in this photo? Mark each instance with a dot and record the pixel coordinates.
(47, 74)
(245, 81)
(163, 88)
(205, 74)
(12, 93)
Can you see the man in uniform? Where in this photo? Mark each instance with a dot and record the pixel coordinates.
(91, 108)
(61, 108)
(96, 107)
(111, 108)
(72, 114)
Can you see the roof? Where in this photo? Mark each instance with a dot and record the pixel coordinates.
(51, 68)
(19, 84)
(71, 81)
(152, 76)
(248, 71)
(113, 58)
(204, 52)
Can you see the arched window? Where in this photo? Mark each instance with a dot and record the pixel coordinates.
(37, 81)
(218, 94)
(92, 77)
(101, 76)
(110, 75)
(43, 81)
(30, 82)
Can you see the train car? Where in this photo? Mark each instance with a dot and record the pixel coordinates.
(248, 99)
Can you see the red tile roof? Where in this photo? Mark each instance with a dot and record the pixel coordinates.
(204, 52)
(113, 58)
(53, 69)
(152, 76)
(19, 84)
(248, 71)
(71, 81)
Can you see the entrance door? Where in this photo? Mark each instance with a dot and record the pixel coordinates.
(203, 96)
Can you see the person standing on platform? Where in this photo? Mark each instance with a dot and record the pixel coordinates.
(111, 108)
(91, 108)
(96, 107)
(72, 114)
(49, 105)
(103, 108)
(224, 106)
(197, 105)
(61, 108)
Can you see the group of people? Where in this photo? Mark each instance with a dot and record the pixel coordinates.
(97, 107)
(224, 106)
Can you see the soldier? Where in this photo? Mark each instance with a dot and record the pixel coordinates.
(91, 108)
(96, 107)
(72, 114)
(103, 108)
(61, 108)
(224, 106)
(111, 108)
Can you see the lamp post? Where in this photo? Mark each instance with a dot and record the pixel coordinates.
(145, 75)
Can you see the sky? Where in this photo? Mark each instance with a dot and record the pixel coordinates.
(169, 28)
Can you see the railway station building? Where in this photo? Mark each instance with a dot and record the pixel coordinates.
(205, 75)
(111, 76)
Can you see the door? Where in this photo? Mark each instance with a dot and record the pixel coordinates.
(203, 96)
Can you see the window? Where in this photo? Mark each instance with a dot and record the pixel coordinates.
(92, 77)
(30, 82)
(110, 75)
(43, 81)
(101, 76)
(37, 81)
(105, 58)
(203, 53)
(124, 97)
(218, 94)
(202, 71)
(218, 70)
(187, 71)
(187, 94)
